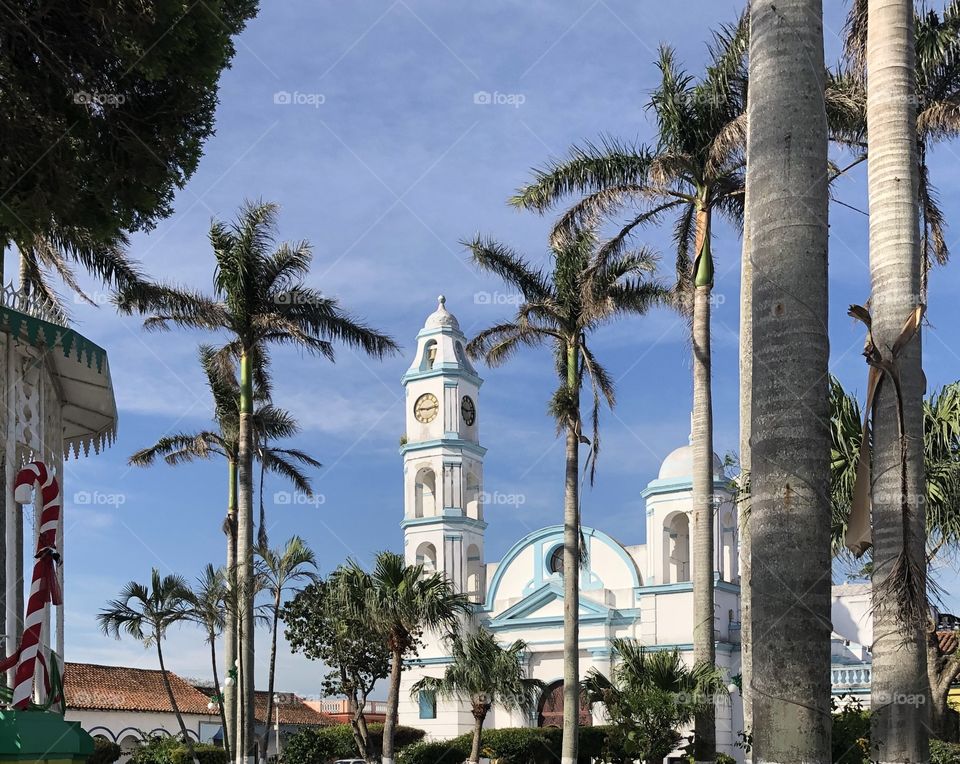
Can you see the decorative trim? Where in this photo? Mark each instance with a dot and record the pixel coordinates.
(423, 445)
(443, 370)
(675, 485)
(464, 522)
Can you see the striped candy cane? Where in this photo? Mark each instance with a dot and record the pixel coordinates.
(44, 588)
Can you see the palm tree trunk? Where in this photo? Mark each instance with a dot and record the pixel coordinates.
(173, 703)
(899, 725)
(230, 626)
(790, 435)
(704, 649)
(393, 703)
(571, 578)
(245, 569)
(746, 402)
(216, 690)
(273, 669)
(478, 717)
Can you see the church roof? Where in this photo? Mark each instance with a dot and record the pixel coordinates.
(679, 464)
(441, 317)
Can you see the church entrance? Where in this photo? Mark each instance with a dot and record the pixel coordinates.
(550, 710)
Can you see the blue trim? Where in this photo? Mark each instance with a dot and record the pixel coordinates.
(443, 370)
(441, 661)
(685, 586)
(466, 445)
(674, 485)
(465, 522)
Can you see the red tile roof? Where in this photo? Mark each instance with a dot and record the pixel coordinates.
(120, 688)
(292, 709)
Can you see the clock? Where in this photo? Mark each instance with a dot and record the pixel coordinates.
(426, 407)
(468, 411)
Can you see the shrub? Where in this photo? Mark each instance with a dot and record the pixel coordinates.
(850, 741)
(169, 750)
(723, 758)
(453, 751)
(104, 752)
(206, 754)
(321, 744)
(513, 745)
(944, 753)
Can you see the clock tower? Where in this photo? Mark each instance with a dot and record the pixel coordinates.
(443, 521)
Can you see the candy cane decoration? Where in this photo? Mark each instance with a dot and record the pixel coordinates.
(44, 588)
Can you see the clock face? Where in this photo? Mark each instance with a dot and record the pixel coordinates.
(426, 408)
(468, 410)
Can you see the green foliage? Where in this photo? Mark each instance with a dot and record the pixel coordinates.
(206, 754)
(321, 744)
(519, 745)
(512, 745)
(944, 753)
(104, 752)
(850, 740)
(453, 751)
(723, 758)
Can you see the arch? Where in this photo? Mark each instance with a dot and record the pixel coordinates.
(129, 743)
(425, 493)
(462, 356)
(474, 574)
(729, 563)
(103, 733)
(427, 556)
(429, 356)
(550, 707)
(676, 548)
(471, 496)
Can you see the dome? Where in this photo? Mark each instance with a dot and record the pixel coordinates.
(441, 317)
(679, 464)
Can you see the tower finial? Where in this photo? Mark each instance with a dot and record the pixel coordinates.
(442, 300)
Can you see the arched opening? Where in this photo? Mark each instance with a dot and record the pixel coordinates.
(425, 488)
(550, 708)
(462, 356)
(429, 355)
(427, 556)
(474, 574)
(728, 546)
(676, 549)
(128, 744)
(471, 497)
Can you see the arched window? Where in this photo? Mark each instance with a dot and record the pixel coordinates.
(429, 355)
(474, 574)
(676, 548)
(427, 556)
(425, 490)
(462, 357)
(471, 497)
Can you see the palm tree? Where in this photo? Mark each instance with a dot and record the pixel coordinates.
(695, 171)
(269, 424)
(483, 673)
(789, 470)
(147, 614)
(399, 602)
(941, 457)
(208, 609)
(587, 287)
(649, 696)
(280, 569)
(259, 299)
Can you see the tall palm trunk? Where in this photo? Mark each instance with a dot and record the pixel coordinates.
(790, 435)
(216, 690)
(479, 715)
(393, 703)
(187, 740)
(245, 569)
(701, 427)
(899, 684)
(571, 577)
(746, 401)
(273, 669)
(230, 625)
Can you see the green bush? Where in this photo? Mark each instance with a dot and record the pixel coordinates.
(104, 752)
(321, 744)
(206, 754)
(850, 741)
(513, 745)
(944, 753)
(169, 750)
(453, 751)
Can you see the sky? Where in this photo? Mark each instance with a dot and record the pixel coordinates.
(388, 132)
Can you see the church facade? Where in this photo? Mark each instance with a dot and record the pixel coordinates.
(636, 591)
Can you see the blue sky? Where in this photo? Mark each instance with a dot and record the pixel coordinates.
(360, 120)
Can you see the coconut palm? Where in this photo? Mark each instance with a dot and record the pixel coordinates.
(280, 570)
(146, 613)
(259, 299)
(483, 673)
(399, 602)
(269, 424)
(207, 607)
(695, 171)
(790, 438)
(937, 48)
(649, 696)
(587, 286)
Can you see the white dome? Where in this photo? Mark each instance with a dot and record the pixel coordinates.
(441, 317)
(679, 464)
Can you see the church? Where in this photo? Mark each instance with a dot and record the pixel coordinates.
(628, 590)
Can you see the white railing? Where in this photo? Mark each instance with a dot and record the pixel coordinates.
(850, 676)
(339, 706)
(30, 304)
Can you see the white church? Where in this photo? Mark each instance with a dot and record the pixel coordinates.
(637, 591)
